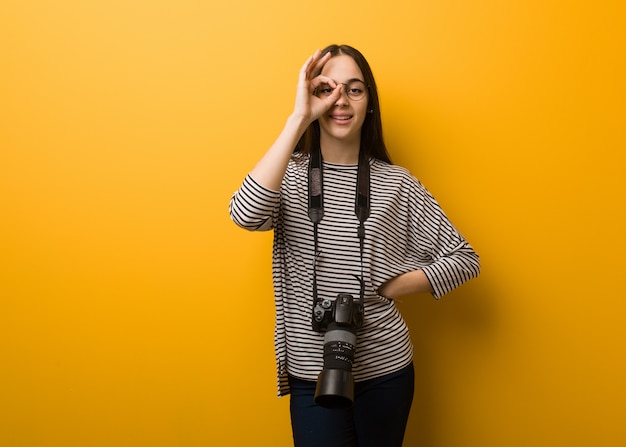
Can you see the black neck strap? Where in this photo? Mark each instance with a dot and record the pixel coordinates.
(316, 206)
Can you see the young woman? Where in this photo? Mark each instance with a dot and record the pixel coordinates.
(335, 233)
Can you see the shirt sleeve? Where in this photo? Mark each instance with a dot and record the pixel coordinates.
(253, 206)
(451, 259)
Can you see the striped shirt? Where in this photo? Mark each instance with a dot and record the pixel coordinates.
(406, 231)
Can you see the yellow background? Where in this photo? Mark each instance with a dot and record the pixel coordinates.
(134, 313)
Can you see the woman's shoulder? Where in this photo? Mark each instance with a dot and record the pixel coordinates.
(298, 163)
(392, 172)
(299, 159)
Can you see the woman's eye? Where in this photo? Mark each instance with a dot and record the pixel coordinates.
(324, 90)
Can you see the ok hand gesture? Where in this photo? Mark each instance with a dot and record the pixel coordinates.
(308, 106)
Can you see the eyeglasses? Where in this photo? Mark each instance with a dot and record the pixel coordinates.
(356, 90)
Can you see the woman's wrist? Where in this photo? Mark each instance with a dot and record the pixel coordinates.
(405, 284)
(383, 291)
(297, 122)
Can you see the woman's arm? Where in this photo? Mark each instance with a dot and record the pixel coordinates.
(270, 169)
(446, 259)
(406, 284)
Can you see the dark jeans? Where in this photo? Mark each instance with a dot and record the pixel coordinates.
(377, 419)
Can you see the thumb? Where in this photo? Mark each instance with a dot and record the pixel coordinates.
(335, 95)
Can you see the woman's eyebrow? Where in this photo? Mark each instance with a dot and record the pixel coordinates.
(349, 81)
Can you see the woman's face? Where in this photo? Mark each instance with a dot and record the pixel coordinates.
(344, 120)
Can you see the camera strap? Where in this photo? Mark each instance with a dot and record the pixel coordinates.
(316, 208)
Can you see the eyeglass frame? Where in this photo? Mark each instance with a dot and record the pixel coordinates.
(345, 88)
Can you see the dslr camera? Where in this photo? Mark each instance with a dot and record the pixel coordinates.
(339, 321)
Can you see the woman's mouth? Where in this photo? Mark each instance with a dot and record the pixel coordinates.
(341, 118)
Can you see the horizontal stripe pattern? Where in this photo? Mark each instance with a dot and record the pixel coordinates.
(406, 230)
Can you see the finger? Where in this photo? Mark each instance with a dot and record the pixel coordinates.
(305, 69)
(320, 62)
(337, 92)
(318, 80)
(309, 65)
(315, 63)
(332, 99)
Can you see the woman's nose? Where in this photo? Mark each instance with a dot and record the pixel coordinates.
(343, 98)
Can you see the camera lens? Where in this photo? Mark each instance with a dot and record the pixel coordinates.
(335, 384)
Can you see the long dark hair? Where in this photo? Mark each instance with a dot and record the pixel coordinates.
(372, 143)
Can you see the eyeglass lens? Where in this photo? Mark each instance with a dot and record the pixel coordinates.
(355, 90)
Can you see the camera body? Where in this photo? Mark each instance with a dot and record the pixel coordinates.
(344, 311)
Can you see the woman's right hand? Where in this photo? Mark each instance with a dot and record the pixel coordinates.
(309, 107)
(270, 169)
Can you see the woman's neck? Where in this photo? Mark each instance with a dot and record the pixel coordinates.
(340, 152)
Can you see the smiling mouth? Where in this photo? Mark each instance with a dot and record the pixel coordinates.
(341, 117)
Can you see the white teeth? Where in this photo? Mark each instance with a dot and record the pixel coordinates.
(342, 118)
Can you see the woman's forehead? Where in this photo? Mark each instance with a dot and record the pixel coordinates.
(342, 68)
